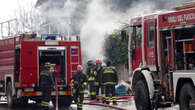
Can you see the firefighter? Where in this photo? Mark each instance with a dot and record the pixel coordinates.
(79, 82)
(46, 84)
(110, 79)
(98, 82)
(91, 75)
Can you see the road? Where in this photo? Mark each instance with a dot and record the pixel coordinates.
(3, 106)
(125, 105)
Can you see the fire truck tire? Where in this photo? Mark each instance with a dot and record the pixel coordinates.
(141, 97)
(10, 98)
(187, 97)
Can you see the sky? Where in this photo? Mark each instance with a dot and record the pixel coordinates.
(8, 8)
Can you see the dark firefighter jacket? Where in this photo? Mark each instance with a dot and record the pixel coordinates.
(91, 74)
(46, 79)
(98, 77)
(79, 79)
(109, 76)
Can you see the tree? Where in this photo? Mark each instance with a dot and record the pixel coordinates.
(115, 48)
(29, 18)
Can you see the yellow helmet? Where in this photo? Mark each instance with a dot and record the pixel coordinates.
(47, 65)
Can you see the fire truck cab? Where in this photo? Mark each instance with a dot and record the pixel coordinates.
(22, 58)
(162, 59)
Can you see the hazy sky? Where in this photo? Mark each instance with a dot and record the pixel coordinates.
(9, 8)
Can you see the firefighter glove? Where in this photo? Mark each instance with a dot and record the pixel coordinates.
(85, 83)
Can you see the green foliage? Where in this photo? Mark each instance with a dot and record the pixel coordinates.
(116, 48)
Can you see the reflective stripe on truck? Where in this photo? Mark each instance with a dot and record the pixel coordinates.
(39, 93)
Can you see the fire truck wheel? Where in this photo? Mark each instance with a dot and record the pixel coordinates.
(187, 97)
(10, 98)
(141, 97)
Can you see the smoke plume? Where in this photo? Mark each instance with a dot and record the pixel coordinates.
(93, 20)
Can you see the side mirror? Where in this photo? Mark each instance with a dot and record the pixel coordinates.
(123, 35)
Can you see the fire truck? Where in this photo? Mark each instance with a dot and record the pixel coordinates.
(162, 58)
(22, 58)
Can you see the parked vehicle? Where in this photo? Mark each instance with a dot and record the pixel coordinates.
(162, 58)
(22, 58)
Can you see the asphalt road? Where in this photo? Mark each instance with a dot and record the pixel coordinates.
(130, 105)
(32, 106)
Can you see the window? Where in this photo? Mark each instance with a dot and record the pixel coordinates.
(150, 35)
(137, 36)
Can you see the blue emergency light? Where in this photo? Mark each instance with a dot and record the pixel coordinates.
(50, 37)
(73, 51)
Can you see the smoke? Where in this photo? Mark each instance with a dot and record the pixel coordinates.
(169, 4)
(105, 16)
(102, 19)
(93, 20)
(63, 16)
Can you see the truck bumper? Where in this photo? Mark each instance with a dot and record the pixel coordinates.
(39, 93)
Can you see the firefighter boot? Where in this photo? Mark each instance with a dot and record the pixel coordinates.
(97, 98)
(108, 100)
(114, 103)
(79, 106)
(45, 105)
(103, 100)
(114, 100)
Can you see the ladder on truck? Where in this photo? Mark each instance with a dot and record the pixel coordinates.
(9, 28)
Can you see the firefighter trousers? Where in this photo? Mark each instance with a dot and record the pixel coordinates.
(97, 92)
(110, 93)
(78, 96)
(92, 90)
(98, 88)
(46, 97)
(103, 93)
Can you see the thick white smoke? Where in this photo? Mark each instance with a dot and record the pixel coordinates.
(95, 19)
(102, 20)
(99, 21)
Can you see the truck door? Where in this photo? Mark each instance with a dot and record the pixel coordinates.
(17, 62)
(150, 43)
(135, 47)
(56, 56)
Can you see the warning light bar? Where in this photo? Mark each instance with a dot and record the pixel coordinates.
(50, 37)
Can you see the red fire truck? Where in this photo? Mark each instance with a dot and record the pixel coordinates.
(162, 58)
(22, 58)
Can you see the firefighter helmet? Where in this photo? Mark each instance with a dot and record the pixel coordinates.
(89, 62)
(108, 62)
(47, 65)
(98, 61)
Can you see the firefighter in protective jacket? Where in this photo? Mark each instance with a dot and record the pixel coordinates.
(109, 80)
(46, 84)
(79, 82)
(91, 75)
(98, 80)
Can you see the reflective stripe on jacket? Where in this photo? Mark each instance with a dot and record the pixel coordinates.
(109, 76)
